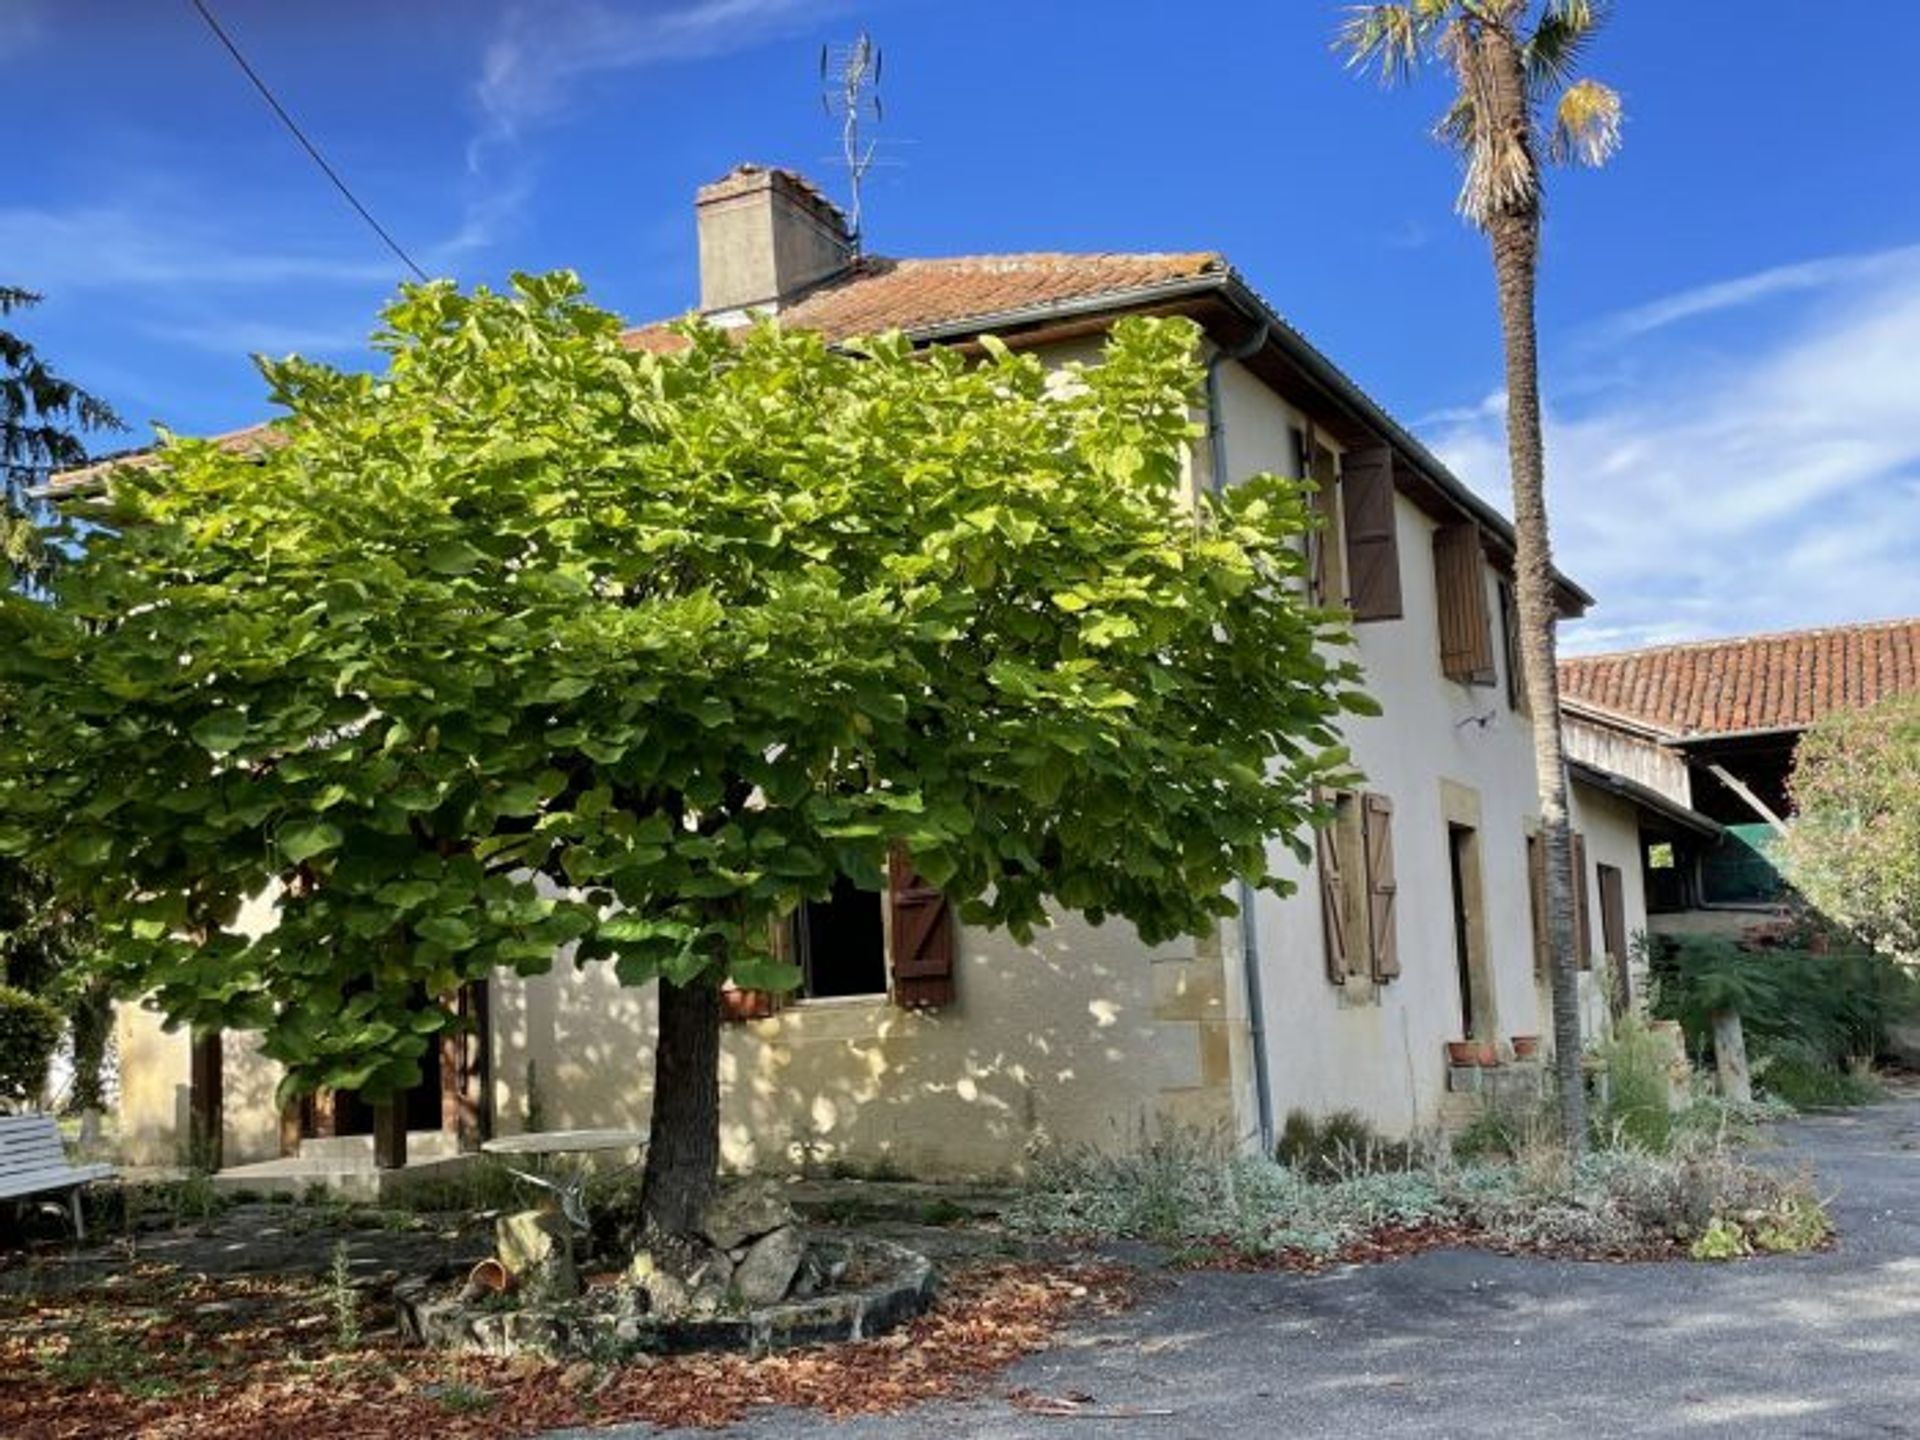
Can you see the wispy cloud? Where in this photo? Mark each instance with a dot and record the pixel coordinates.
(1776, 485)
(258, 337)
(113, 247)
(532, 69)
(22, 26)
(1748, 290)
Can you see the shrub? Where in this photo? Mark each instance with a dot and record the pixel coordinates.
(1809, 1006)
(1337, 1146)
(1699, 1197)
(1638, 1106)
(30, 1031)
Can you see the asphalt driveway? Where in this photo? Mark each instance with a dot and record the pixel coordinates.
(1460, 1343)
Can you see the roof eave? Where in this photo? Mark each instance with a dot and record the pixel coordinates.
(1225, 283)
(1647, 797)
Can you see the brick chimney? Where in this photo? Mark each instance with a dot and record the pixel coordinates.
(766, 236)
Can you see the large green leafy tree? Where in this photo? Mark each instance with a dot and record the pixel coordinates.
(1518, 102)
(1853, 845)
(535, 639)
(43, 418)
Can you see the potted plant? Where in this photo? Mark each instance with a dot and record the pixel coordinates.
(1463, 1052)
(1526, 1047)
(1489, 1053)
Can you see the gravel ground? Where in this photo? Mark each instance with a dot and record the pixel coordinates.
(1462, 1343)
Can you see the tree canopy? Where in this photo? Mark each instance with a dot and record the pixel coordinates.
(1853, 846)
(536, 640)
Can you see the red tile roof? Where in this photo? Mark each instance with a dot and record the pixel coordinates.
(915, 295)
(1752, 682)
(878, 295)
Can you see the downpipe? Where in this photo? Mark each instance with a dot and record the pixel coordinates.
(1249, 926)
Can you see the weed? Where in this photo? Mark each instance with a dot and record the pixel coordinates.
(458, 1397)
(343, 1299)
(943, 1214)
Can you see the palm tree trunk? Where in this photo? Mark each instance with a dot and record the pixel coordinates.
(1515, 235)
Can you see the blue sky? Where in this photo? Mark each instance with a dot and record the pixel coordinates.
(1730, 314)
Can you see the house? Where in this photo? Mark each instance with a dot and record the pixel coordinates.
(1712, 727)
(920, 1046)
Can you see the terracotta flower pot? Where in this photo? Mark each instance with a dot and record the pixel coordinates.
(1526, 1047)
(1463, 1052)
(1489, 1054)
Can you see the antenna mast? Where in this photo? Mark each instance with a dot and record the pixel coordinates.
(850, 92)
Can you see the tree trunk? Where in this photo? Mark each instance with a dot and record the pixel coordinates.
(1514, 230)
(683, 1150)
(1730, 1057)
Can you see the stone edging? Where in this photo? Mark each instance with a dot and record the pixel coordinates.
(604, 1325)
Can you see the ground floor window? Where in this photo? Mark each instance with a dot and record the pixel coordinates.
(840, 944)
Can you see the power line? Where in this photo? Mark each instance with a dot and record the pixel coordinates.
(305, 144)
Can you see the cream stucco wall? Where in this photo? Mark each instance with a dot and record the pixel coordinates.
(1087, 1035)
(1084, 1037)
(1442, 751)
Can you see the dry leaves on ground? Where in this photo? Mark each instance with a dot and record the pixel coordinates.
(166, 1356)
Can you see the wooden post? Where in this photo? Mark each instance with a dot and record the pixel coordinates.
(465, 1105)
(206, 1105)
(390, 1134)
(1730, 1057)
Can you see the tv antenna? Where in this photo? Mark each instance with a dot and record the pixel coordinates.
(850, 93)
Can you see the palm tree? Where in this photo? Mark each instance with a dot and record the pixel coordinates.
(1517, 99)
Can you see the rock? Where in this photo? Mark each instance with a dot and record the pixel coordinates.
(766, 1273)
(741, 1214)
(821, 1268)
(536, 1248)
(681, 1278)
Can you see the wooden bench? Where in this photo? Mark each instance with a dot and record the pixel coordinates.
(33, 1161)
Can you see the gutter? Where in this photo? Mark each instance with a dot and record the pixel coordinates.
(1713, 737)
(1226, 284)
(1249, 918)
(1645, 795)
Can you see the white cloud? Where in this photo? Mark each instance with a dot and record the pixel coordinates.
(534, 64)
(22, 26)
(1750, 289)
(1776, 486)
(111, 247)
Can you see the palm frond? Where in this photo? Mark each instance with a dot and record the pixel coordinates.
(1390, 38)
(1586, 125)
(1558, 43)
(1455, 128)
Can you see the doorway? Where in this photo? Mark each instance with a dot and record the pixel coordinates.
(452, 1091)
(1460, 848)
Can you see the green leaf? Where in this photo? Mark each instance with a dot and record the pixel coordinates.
(221, 732)
(453, 557)
(302, 840)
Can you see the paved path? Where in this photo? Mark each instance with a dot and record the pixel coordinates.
(1475, 1345)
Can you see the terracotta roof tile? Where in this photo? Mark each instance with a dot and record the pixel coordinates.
(926, 294)
(1752, 682)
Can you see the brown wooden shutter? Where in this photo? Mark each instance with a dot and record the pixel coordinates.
(1510, 640)
(1537, 892)
(1333, 903)
(923, 938)
(1613, 935)
(1373, 549)
(1383, 938)
(1583, 921)
(1331, 579)
(1466, 636)
(1318, 537)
